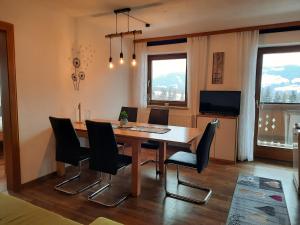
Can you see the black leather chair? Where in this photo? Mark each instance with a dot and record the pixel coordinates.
(160, 117)
(104, 156)
(131, 112)
(197, 161)
(68, 150)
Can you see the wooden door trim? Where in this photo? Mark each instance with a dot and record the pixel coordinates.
(10, 114)
(262, 151)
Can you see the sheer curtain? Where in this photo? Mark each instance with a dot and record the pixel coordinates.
(197, 71)
(247, 43)
(197, 53)
(139, 78)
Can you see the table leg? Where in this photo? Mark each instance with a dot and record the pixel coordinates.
(136, 169)
(162, 156)
(60, 168)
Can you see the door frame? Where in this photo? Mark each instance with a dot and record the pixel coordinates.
(263, 151)
(10, 113)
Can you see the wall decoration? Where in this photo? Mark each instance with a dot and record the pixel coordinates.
(218, 67)
(81, 58)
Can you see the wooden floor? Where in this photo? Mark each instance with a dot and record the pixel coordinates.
(152, 207)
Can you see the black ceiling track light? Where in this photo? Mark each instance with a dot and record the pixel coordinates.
(125, 11)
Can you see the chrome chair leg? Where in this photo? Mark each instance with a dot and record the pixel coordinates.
(59, 187)
(93, 196)
(121, 148)
(152, 161)
(187, 199)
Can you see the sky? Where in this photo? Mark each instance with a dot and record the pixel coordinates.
(277, 61)
(281, 59)
(163, 67)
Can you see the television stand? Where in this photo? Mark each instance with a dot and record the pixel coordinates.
(224, 146)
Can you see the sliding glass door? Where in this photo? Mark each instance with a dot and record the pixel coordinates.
(277, 101)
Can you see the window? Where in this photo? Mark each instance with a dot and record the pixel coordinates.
(280, 79)
(277, 98)
(167, 80)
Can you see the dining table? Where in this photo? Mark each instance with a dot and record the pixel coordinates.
(134, 134)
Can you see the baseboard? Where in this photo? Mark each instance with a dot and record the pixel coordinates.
(223, 161)
(33, 182)
(275, 154)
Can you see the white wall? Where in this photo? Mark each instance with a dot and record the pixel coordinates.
(43, 41)
(232, 81)
(217, 43)
(226, 43)
(104, 90)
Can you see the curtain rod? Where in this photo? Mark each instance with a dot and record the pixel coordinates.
(233, 30)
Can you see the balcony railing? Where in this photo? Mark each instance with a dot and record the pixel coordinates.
(276, 124)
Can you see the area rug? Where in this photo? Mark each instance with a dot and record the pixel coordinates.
(258, 200)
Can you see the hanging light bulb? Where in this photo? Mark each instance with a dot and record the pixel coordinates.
(133, 62)
(121, 54)
(110, 65)
(121, 58)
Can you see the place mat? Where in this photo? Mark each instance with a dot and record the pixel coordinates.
(157, 130)
(258, 200)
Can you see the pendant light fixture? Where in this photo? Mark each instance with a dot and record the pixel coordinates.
(121, 53)
(133, 62)
(125, 11)
(111, 65)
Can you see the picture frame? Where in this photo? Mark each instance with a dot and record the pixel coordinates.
(218, 67)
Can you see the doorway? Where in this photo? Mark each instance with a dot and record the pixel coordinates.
(9, 116)
(277, 101)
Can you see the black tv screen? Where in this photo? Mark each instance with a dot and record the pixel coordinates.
(220, 102)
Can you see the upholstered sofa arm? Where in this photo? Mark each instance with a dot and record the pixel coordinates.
(104, 221)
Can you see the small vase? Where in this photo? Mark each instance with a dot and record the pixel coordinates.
(123, 122)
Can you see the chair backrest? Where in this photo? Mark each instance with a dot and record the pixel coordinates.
(159, 116)
(131, 112)
(103, 146)
(203, 148)
(67, 142)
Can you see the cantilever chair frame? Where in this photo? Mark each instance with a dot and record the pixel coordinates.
(156, 152)
(184, 198)
(59, 187)
(180, 197)
(153, 161)
(109, 171)
(93, 196)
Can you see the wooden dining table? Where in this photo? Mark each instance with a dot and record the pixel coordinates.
(135, 138)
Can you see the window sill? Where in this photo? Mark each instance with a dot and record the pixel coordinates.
(168, 107)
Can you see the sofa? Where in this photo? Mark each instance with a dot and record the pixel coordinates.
(14, 211)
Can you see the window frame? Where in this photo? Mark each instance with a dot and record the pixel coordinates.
(259, 66)
(151, 102)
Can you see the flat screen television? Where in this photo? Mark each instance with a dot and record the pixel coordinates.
(220, 102)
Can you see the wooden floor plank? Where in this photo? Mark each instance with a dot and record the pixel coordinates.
(152, 207)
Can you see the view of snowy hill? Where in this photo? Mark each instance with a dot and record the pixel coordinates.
(281, 78)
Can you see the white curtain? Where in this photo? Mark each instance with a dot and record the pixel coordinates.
(197, 53)
(197, 71)
(247, 46)
(139, 78)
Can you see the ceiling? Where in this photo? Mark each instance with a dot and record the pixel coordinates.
(171, 17)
